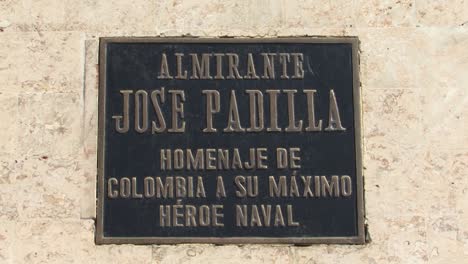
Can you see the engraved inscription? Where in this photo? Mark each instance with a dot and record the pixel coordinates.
(229, 141)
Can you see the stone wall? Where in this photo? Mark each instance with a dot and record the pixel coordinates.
(414, 62)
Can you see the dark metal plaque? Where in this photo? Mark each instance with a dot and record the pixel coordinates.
(229, 141)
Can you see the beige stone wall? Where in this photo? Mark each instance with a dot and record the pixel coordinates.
(414, 74)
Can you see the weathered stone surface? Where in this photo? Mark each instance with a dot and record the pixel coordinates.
(74, 15)
(8, 196)
(306, 14)
(393, 58)
(253, 18)
(67, 241)
(48, 241)
(46, 118)
(445, 58)
(208, 18)
(7, 236)
(48, 187)
(42, 186)
(87, 171)
(225, 254)
(8, 203)
(9, 116)
(399, 247)
(378, 13)
(442, 12)
(41, 61)
(446, 221)
(444, 117)
(383, 111)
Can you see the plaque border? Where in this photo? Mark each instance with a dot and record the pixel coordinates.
(100, 239)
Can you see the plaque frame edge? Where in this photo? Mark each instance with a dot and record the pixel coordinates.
(100, 239)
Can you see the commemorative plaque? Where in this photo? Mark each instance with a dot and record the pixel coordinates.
(229, 141)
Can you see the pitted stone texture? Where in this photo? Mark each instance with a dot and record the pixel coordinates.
(444, 117)
(75, 15)
(48, 241)
(307, 14)
(41, 62)
(116, 15)
(445, 176)
(126, 254)
(223, 254)
(405, 239)
(8, 190)
(212, 17)
(444, 95)
(50, 124)
(48, 187)
(9, 117)
(383, 112)
(393, 58)
(252, 18)
(8, 202)
(390, 245)
(442, 12)
(322, 254)
(447, 229)
(67, 241)
(388, 13)
(28, 15)
(7, 236)
(445, 58)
